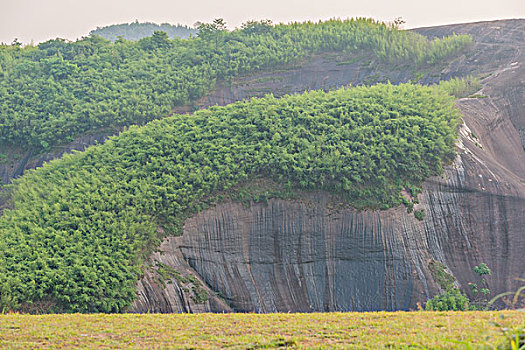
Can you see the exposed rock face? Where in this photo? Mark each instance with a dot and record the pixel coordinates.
(499, 53)
(20, 160)
(304, 255)
(176, 294)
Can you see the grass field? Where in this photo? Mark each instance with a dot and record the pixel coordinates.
(403, 330)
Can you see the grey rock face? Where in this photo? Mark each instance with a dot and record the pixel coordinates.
(305, 255)
(18, 160)
(177, 293)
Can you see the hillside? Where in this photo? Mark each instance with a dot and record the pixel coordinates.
(136, 31)
(469, 218)
(87, 219)
(233, 257)
(57, 91)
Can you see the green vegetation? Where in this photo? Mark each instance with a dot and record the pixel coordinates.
(479, 289)
(81, 225)
(478, 96)
(460, 87)
(450, 300)
(363, 330)
(165, 274)
(440, 276)
(419, 214)
(58, 90)
(137, 31)
(512, 300)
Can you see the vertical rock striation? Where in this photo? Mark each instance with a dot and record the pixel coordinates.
(311, 255)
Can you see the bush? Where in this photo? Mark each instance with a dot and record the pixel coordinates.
(451, 300)
(480, 290)
(460, 87)
(419, 214)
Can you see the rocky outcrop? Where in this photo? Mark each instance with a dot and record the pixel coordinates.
(313, 255)
(173, 286)
(307, 255)
(19, 160)
(499, 55)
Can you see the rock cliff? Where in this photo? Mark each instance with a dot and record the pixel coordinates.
(310, 254)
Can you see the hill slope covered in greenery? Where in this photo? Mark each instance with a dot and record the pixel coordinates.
(80, 226)
(137, 31)
(58, 90)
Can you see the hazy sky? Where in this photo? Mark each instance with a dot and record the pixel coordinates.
(40, 20)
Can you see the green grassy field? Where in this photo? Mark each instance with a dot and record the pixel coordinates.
(373, 330)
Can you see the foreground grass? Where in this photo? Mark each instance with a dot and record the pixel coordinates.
(434, 330)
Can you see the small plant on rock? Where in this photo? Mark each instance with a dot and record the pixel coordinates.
(480, 289)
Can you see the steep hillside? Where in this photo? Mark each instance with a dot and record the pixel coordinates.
(312, 253)
(79, 227)
(475, 212)
(59, 96)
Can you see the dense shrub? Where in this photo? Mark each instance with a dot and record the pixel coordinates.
(460, 87)
(81, 225)
(451, 300)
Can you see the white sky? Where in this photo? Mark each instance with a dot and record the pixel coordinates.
(40, 20)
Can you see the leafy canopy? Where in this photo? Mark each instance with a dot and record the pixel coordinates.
(136, 30)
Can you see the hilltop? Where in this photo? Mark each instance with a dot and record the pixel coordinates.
(136, 31)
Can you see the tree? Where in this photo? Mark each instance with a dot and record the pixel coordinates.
(451, 300)
(160, 39)
(219, 24)
(16, 43)
(398, 22)
(480, 290)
